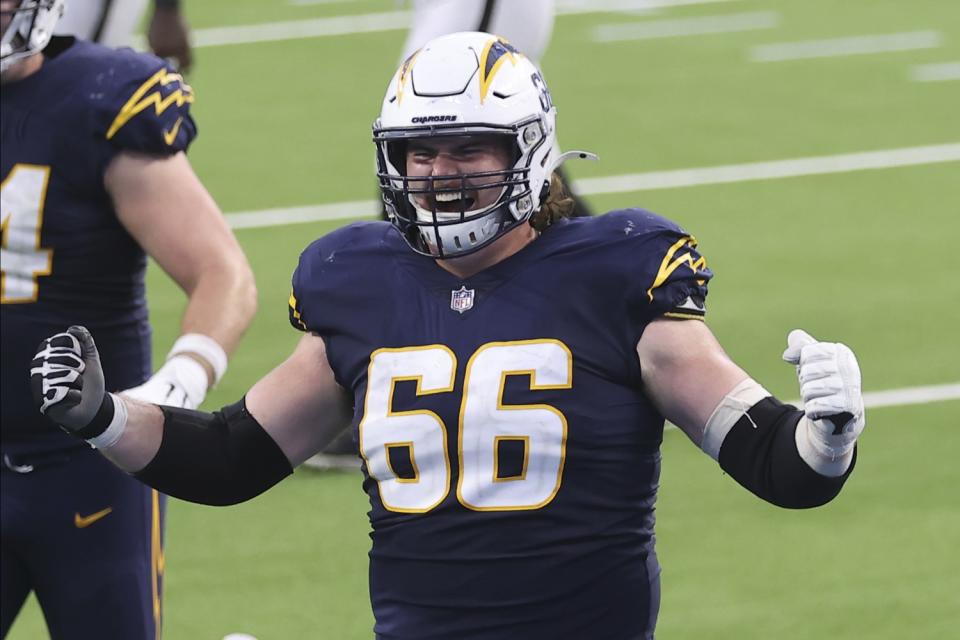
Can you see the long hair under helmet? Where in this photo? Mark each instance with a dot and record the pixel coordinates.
(30, 29)
(466, 84)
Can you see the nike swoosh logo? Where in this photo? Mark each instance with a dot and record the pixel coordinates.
(170, 136)
(83, 522)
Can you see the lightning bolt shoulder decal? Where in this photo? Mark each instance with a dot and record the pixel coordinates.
(151, 94)
(671, 262)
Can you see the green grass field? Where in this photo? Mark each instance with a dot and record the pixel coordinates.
(861, 257)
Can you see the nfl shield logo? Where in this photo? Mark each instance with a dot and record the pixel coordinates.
(461, 300)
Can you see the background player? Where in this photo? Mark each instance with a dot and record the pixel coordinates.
(113, 23)
(527, 25)
(510, 429)
(94, 178)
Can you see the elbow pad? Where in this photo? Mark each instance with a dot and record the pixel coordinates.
(759, 450)
(218, 458)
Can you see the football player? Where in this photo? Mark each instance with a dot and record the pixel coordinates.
(94, 178)
(510, 426)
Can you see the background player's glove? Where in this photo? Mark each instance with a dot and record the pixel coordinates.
(182, 381)
(67, 383)
(830, 391)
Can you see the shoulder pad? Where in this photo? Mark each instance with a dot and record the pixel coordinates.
(670, 276)
(144, 105)
(637, 223)
(328, 267)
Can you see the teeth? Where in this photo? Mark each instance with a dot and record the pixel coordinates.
(448, 197)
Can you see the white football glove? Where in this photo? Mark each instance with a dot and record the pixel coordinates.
(182, 381)
(831, 397)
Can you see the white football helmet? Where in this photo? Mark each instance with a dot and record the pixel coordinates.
(461, 84)
(29, 29)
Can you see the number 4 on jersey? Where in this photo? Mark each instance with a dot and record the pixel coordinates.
(485, 422)
(21, 257)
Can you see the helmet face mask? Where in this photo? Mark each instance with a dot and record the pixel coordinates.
(464, 85)
(27, 29)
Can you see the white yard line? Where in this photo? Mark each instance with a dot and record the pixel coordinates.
(699, 25)
(577, 7)
(855, 45)
(387, 21)
(793, 167)
(297, 29)
(294, 215)
(902, 397)
(911, 395)
(938, 72)
(307, 3)
(673, 179)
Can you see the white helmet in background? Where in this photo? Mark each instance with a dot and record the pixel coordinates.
(463, 84)
(29, 30)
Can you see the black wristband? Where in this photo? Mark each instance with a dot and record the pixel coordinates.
(166, 4)
(100, 421)
(760, 452)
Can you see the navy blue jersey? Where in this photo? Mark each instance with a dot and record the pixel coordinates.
(511, 456)
(66, 258)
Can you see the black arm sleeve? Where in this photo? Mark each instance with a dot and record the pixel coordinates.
(760, 452)
(216, 458)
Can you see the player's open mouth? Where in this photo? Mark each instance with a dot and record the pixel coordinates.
(454, 201)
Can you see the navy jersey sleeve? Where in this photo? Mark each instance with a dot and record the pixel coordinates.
(142, 104)
(322, 283)
(666, 274)
(678, 288)
(296, 295)
(305, 283)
